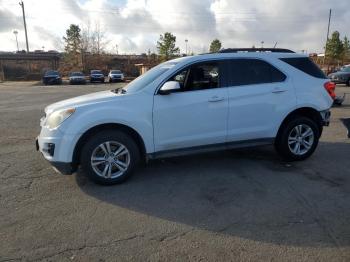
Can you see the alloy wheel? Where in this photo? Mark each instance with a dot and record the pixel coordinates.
(301, 139)
(110, 159)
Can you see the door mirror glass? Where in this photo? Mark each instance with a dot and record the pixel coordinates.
(169, 87)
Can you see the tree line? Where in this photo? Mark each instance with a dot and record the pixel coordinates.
(93, 41)
(79, 42)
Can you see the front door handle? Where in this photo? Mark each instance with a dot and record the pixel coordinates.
(277, 90)
(216, 99)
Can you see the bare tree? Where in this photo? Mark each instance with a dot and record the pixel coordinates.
(98, 40)
(86, 38)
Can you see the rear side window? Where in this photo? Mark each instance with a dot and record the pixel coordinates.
(250, 72)
(306, 65)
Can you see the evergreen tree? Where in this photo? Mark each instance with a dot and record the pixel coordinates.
(346, 49)
(334, 48)
(166, 46)
(215, 46)
(73, 45)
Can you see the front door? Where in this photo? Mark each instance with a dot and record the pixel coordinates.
(195, 115)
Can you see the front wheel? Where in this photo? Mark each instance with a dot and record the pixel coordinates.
(109, 157)
(297, 139)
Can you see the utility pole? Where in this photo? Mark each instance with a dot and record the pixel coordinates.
(186, 41)
(25, 24)
(329, 24)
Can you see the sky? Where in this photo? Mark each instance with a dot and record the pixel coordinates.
(134, 26)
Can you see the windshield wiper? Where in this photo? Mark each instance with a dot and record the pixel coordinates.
(119, 91)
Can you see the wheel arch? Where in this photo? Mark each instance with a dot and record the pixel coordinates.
(111, 126)
(308, 112)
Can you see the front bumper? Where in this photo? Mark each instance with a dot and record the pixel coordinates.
(77, 81)
(92, 79)
(63, 168)
(117, 78)
(338, 81)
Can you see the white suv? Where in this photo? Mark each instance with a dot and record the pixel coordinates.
(115, 75)
(192, 104)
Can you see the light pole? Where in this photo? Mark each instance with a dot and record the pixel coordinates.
(262, 44)
(186, 41)
(25, 24)
(16, 33)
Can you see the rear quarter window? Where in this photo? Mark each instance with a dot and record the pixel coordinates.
(305, 65)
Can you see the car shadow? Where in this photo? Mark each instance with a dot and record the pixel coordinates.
(246, 193)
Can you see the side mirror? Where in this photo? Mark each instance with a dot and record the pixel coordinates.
(168, 87)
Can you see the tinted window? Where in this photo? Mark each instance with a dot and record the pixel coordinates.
(198, 77)
(115, 72)
(250, 72)
(96, 72)
(306, 65)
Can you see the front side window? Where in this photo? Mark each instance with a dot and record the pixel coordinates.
(250, 72)
(198, 77)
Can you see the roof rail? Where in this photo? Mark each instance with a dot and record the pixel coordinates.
(272, 50)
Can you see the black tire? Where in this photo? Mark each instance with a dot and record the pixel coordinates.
(281, 142)
(98, 139)
(348, 82)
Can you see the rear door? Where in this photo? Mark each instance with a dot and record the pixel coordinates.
(259, 97)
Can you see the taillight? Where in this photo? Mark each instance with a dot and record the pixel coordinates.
(330, 87)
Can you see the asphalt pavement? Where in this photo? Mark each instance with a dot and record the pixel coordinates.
(239, 205)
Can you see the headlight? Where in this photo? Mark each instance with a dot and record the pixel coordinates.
(56, 118)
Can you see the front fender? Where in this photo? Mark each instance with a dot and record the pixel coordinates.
(86, 118)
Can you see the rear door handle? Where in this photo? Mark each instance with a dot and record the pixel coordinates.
(216, 99)
(277, 90)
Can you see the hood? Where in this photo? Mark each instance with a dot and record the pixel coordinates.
(51, 76)
(77, 77)
(79, 101)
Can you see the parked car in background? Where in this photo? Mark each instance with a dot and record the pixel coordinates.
(342, 76)
(97, 76)
(77, 78)
(52, 77)
(115, 76)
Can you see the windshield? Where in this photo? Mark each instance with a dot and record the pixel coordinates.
(151, 75)
(77, 74)
(96, 72)
(345, 69)
(51, 73)
(116, 72)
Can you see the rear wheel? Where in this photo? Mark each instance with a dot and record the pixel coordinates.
(348, 82)
(109, 157)
(298, 139)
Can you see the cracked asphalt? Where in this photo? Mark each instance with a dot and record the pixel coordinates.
(240, 205)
